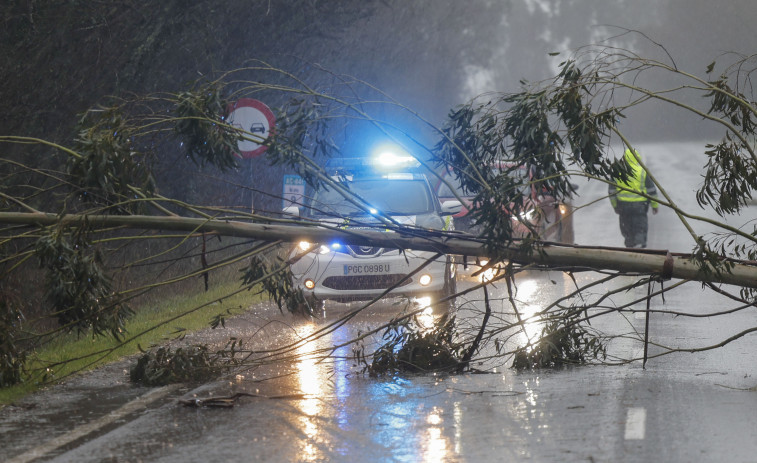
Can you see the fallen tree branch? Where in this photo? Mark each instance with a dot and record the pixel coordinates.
(662, 263)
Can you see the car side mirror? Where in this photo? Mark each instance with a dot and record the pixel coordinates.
(292, 211)
(451, 207)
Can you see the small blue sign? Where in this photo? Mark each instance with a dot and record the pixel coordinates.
(294, 190)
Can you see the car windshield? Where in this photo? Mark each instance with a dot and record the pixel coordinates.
(395, 197)
(520, 174)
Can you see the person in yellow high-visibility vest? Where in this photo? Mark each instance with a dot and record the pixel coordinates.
(631, 200)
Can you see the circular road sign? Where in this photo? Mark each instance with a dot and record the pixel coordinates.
(254, 117)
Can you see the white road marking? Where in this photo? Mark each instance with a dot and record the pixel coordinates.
(636, 420)
(81, 431)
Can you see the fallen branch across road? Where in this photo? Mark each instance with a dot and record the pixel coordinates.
(662, 263)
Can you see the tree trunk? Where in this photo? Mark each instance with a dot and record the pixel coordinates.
(663, 263)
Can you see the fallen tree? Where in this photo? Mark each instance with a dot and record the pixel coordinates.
(661, 263)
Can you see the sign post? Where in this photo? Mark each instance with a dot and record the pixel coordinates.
(255, 118)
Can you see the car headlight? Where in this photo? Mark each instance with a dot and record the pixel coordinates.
(425, 279)
(485, 276)
(526, 216)
(308, 246)
(305, 245)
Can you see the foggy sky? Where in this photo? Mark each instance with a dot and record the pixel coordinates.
(455, 53)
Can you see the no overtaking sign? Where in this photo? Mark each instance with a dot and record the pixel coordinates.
(255, 118)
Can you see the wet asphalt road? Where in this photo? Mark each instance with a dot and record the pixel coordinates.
(683, 407)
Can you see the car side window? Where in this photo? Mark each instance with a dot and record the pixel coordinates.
(445, 191)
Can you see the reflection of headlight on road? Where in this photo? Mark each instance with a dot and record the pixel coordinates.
(308, 246)
(424, 303)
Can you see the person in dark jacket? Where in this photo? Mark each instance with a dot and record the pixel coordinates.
(631, 200)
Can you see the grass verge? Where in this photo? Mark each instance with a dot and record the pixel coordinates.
(69, 354)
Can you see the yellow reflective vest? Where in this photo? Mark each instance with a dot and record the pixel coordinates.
(635, 186)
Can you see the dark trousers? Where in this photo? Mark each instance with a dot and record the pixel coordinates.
(633, 222)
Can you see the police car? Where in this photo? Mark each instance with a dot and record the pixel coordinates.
(375, 192)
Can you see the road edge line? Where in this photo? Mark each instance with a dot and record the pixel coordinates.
(82, 430)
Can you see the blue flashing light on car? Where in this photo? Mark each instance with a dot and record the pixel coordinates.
(385, 160)
(390, 160)
(392, 157)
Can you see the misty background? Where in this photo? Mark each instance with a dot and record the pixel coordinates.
(446, 53)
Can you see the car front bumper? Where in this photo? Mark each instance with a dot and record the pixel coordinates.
(341, 277)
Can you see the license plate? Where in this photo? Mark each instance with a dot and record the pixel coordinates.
(366, 269)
